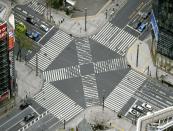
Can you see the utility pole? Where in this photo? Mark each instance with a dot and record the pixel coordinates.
(36, 60)
(50, 9)
(103, 102)
(106, 13)
(64, 124)
(137, 56)
(47, 4)
(85, 18)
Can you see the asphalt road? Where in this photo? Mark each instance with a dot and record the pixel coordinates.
(22, 11)
(15, 119)
(123, 16)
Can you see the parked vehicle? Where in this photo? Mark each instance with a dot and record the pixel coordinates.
(30, 20)
(147, 106)
(36, 36)
(33, 35)
(44, 28)
(138, 108)
(134, 112)
(142, 27)
(24, 105)
(29, 117)
(29, 34)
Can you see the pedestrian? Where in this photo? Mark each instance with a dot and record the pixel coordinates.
(63, 19)
(110, 123)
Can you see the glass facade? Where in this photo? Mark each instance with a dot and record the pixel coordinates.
(4, 61)
(163, 11)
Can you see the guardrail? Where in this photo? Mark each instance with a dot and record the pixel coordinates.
(33, 121)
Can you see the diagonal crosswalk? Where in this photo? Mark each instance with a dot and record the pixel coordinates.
(83, 51)
(59, 104)
(110, 65)
(51, 50)
(124, 90)
(114, 38)
(62, 73)
(36, 6)
(90, 90)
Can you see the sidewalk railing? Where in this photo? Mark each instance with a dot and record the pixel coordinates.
(33, 121)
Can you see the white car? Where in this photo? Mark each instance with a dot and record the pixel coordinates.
(138, 108)
(147, 106)
(134, 112)
(43, 27)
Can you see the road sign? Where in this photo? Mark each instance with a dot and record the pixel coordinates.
(154, 26)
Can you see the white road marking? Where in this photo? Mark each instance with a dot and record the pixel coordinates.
(14, 117)
(14, 124)
(45, 34)
(133, 28)
(131, 107)
(34, 110)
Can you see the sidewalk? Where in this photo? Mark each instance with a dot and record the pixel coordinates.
(96, 114)
(145, 63)
(28, 84)
(76, 26)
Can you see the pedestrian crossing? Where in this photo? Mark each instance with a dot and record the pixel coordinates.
(106, 33)
(122, 41)
(114, 38)
(36, 6)
(59, 104)
(90, 90)
(110, 65)
(83, 51)
(62, 73)
(51, 50)
(124, 90)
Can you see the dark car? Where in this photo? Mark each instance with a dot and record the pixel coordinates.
(137, 24)
(30, 20)
(24, 105)
(29, 117)
(29, 34)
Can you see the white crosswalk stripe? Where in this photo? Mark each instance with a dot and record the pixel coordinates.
(124, 91)
(114, 38)
(90, 90)
(121, 42)
(110, 65)
(62, 73)
(36, 6)
(59, 104)
(83, 51)
(106, 33)
(51, 50)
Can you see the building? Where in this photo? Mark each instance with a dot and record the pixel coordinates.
(7, 77)
(163, 12)
(161, 120)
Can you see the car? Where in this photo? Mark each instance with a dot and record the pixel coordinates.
(24, 105)
(29, 117)
(142, 27)
(137, 24)
(36, 36)
(33, 35)
(29, 34)
(44, 28)
(145, 15)
(30, 20)
(138, 108)
(147, 106)
(134, 112)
